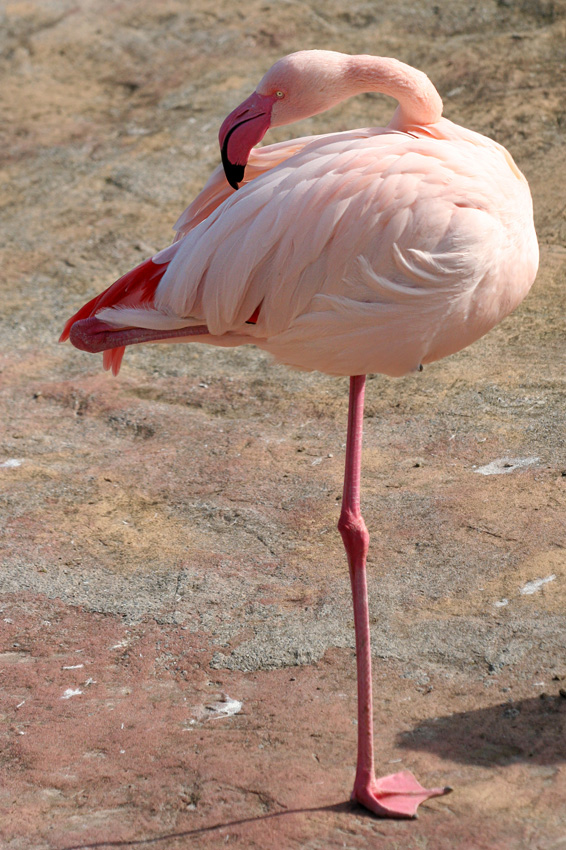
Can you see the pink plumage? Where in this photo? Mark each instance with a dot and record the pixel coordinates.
(372, 250)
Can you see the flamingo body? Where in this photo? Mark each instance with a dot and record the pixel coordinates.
(407, 248)
(373, 250)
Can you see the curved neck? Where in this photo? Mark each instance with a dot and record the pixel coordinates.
(419, 102)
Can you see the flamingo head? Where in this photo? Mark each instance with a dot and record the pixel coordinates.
(297, 86)
(241, 130)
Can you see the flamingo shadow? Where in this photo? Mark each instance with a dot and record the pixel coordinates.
(529, 730)
(345, 806)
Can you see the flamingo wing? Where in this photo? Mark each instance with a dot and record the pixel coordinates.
(338, 248)
(418, 211)
(136, 288)
(261, 160)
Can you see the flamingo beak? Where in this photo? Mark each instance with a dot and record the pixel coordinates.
(240, 131)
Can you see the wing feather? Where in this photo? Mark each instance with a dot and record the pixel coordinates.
(297, 231)
(354, 252)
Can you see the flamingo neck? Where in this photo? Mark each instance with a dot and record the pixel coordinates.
(419, 102)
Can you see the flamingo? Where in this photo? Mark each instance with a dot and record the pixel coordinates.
(370, 250)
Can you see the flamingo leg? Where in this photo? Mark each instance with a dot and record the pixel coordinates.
(397, 795)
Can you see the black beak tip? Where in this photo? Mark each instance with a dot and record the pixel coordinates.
(234, 172)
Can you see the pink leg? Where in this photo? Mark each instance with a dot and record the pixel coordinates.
(93, 335)
(398, 795)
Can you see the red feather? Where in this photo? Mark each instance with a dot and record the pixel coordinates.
(131, 290)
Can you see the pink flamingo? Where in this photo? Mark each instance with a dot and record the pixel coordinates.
(373, 250)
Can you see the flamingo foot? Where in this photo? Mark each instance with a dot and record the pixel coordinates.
(396, 796)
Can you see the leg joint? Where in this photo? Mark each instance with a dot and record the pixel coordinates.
(353, 530)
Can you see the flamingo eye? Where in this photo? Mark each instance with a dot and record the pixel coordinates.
(279, 94)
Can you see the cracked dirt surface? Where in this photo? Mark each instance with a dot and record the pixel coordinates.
(168, 538)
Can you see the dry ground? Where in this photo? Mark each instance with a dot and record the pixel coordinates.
(168, 538)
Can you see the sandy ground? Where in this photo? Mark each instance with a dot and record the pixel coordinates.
(177, 641)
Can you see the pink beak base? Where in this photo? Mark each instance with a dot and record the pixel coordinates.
(240, 131)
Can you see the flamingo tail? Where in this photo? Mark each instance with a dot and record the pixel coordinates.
(134, 289)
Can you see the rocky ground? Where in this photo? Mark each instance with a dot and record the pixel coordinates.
(177, 640)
